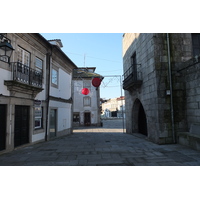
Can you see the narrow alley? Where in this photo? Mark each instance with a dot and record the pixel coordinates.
(101, 146)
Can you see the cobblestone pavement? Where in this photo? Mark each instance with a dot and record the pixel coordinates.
(101, 146)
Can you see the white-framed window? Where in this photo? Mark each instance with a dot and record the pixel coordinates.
(38, 117)
(54, 76)
(87, 84)
(23, 56)
(38, 64)
(76, 117)
(86, 101)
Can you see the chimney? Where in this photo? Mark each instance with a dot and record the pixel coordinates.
(56, 42)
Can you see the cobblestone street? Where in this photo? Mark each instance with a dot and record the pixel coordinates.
(101, 146)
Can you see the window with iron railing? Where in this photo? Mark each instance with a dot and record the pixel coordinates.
(24, 74)
(132, 75)
(23, 56)
(134, 65)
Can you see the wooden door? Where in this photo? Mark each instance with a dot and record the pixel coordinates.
(87, 119)
(53, 120)
(21, 135)
(2, 127)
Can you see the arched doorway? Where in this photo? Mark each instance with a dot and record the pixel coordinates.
(139, 119)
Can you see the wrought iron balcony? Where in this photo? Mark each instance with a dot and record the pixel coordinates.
(132, 78)
(25, 74)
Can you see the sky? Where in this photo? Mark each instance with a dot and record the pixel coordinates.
(100, 50)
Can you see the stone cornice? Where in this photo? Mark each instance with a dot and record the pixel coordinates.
(20, 89)
(60, 99)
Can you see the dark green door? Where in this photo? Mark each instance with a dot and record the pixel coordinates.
(87, 119)
(53, 121)
(2, 127)
(21, 125)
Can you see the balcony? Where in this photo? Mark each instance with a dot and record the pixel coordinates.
(26, 75)
(24, 80)
(132, 78)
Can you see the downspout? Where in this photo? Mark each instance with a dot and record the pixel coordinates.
(48, 82)
(72, 105)
(171, 89)
(122, 104)
(98, 107)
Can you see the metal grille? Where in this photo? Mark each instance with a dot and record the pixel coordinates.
(24, 74)
(133, 72)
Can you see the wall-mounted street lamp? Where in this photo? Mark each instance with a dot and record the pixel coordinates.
(6, 48)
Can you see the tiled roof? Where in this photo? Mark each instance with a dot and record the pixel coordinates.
(84, 73)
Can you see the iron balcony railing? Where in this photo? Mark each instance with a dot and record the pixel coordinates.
(132, 77)
(24, 74)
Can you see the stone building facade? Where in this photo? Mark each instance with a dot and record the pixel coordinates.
(86, 107)
(35, 91)
(114, 107)
(161, 84)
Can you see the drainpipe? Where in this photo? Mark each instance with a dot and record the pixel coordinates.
(122, 104)
(48, 82)
(98, 107)
(171, 89)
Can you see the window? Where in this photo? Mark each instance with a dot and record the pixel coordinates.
(54, 77)
(196, 43)
(87, 101)
(87, 84)
(76, 117)
(23, 63)
(23, 56)
(38, 64)
(38, 117)
(134, 66)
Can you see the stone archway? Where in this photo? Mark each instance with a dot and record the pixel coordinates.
(139, 121)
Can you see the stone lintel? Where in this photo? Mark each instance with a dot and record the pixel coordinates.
(19, 89)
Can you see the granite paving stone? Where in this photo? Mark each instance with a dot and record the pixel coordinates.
(101, 146)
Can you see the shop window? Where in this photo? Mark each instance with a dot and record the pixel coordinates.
(76, 117)
(38, 117)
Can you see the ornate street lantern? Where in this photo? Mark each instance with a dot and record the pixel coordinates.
(6, 49)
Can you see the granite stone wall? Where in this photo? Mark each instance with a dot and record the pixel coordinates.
(190, 77)
(152, 56)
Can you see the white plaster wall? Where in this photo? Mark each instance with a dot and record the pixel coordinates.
(38, 137)
(64, 118)
(63, 114)
(77, 96)
(94, 117)
(64, 85)
(42, 95)
(78, 101)
(4, 75)
(93, 96)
